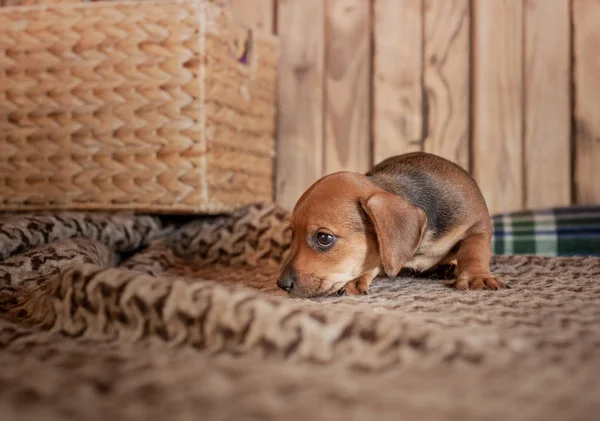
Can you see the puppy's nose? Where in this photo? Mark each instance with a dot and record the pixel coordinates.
(286, 281)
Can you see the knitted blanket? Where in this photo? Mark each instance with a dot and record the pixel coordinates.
(136, 317)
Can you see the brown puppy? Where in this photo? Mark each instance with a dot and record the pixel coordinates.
(416, 211)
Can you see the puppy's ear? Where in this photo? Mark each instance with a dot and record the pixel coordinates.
(399, 226)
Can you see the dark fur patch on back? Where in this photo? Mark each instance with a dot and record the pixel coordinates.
(417, 180)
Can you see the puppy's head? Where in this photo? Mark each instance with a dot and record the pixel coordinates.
(343, 227)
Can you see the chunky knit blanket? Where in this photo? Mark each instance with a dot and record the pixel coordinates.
(134, 317)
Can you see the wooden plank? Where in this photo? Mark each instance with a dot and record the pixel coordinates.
(347, 112)
(255, 13)
(300, 126)
(33, 2)
(397, 87)
(586, 45)
(446, 76)
(497, 103)
(547, 104)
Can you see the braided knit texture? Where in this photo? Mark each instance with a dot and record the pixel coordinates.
(134, 317)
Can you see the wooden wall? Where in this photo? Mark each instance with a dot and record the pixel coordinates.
(506, 88)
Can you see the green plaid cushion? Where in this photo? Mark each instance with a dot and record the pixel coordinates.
(568, 231)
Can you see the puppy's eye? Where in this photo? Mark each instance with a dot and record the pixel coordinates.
(325, 240)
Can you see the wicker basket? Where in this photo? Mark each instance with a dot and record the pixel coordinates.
(149, 106)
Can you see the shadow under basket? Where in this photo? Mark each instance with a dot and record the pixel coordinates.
(148, 106)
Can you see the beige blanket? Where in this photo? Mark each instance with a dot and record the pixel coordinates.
(122, 317)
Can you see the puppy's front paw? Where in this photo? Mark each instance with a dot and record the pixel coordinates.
(354, 288)
(479, 282)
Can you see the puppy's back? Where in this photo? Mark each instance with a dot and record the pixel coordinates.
(445, 191)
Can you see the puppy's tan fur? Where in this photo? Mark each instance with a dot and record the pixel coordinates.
(415, 211)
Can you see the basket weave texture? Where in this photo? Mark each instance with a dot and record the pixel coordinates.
(147, 106)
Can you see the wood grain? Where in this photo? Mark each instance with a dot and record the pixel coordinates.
(300, 127)
(547, 104)
(398, 92)
(497, 103)
(586, 14)
(33, 2)
(446, 76)
(255, 13)
(347, 112)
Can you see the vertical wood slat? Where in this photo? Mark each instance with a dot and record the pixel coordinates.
(347, 86)
(497, 126)
(34, 2)
(299, 159)
(547, 104)
(397, 87)
(586, 46)
(440, 58)
(446, 79)
(255, 13)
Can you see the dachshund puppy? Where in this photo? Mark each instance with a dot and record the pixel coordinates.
(416, 211)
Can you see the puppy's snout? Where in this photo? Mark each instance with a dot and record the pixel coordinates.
(286, 281)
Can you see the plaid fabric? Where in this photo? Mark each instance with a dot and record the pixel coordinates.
(569, 231)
